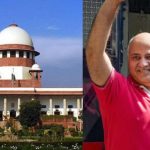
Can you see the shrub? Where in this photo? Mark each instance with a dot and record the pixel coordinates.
(73, 132)
(54, 132)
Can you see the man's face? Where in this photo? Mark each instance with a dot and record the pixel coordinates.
(139, 61)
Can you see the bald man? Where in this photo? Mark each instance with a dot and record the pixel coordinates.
(124, 102)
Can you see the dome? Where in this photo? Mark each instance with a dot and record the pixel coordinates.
(35, 67)
(15, 35)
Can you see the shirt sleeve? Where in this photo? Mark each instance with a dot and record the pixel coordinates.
(110, 91)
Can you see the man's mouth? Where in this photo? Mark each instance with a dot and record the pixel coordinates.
(143, 70)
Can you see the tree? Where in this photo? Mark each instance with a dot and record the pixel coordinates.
(30, 113)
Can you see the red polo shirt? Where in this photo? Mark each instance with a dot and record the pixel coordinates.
(125, 109)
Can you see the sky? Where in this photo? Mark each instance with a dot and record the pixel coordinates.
(55, 27)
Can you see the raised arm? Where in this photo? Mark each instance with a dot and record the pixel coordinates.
(98, 62)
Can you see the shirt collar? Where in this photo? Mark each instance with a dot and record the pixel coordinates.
(145, 89)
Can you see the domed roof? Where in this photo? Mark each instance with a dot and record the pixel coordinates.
(15, 35)
(35, 67)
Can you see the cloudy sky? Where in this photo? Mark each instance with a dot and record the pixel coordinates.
(56, 30)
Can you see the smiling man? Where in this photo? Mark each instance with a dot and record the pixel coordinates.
(124, 102)
(139, 59)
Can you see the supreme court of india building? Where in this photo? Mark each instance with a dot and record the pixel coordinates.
(20, 79)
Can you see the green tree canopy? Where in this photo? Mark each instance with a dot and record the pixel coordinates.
(30, 113)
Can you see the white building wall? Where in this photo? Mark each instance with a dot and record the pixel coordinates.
(44, 100)
(12, 103)
(19, 72)
(26, 98)
(58, 100)
(25, 72)
(72, 101)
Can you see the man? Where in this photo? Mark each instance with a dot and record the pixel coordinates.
(124, 102)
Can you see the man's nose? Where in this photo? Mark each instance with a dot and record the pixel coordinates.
(143, 62)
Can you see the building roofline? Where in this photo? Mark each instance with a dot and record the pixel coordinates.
(42, 91)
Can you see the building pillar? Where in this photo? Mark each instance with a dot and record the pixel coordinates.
(51, 106)
(30, 56)
(78, 107)
(8, 54)
(24, 54)
(65, 106)
(1, 55)
(18, 108)
(5, 107)
(82, 103)
(17, 54)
